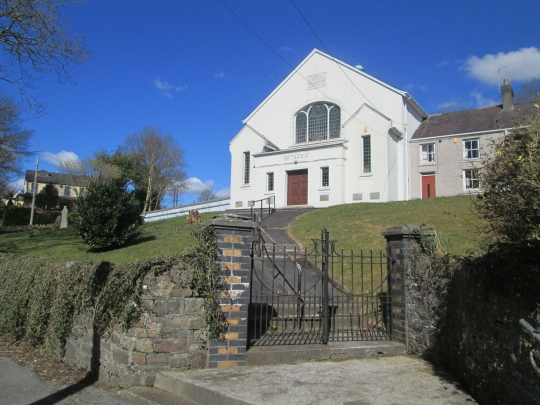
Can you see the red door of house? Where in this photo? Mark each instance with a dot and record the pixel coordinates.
(428, 186)
(297, 187)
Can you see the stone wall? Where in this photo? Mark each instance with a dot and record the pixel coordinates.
(461, 318)
(170, 335)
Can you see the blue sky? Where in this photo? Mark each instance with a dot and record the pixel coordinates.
(193, 69)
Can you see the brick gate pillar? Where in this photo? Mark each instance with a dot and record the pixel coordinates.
(234, 243)
(400, 241)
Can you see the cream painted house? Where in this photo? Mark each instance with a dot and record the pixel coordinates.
(447, 149)
(329, 134)
(69, 187)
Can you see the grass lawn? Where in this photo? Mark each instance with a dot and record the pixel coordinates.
(359, 226)
(160, 238)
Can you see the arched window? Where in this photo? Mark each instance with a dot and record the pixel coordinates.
(317, 122)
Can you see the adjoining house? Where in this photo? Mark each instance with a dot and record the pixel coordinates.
(69, 186)
(329, 134)
(446, 150)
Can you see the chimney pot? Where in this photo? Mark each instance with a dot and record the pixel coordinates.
(507, 93)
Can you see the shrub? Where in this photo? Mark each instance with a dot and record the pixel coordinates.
(16, 216)
(72, 218)
(46, 218)
(108, 214)
(510, 180)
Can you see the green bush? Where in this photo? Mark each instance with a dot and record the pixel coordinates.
(20, 216)
(510, 180)
(46, 218)
(108, 214)
(72, 218)
(16, 216)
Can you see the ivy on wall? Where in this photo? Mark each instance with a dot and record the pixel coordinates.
(39, 298)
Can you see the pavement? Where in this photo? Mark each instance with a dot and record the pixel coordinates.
(21, 386)
(276, 225)
(400, 380)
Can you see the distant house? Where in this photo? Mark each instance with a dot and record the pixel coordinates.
(328, 134)
(69, 187)
(446, 150)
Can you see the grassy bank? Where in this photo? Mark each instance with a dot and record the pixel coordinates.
(359, 226)
(160, 238)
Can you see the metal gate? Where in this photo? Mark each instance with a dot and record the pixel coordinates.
(320, 296)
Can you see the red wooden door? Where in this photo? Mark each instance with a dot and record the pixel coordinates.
(297, 187)
(428, 187)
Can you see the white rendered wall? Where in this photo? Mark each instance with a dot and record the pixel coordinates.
(218, 205)
(274, 120)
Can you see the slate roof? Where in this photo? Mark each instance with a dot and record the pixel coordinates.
(56, 178)
(470, 121)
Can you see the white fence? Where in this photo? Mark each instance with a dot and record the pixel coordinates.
(221, 204)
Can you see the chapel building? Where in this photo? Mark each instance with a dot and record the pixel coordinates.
(329, 134)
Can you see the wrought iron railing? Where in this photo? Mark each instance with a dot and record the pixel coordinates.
(300, 297)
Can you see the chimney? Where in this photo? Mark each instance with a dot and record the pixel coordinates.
(507, 95)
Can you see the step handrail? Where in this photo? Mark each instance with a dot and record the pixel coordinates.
(271, 208)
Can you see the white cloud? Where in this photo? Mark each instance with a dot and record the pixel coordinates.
(481, 101)
(165, 87)
(224, 192)
(522, 65)
(195, 185)
(220, 75)
(17, 184)
(57, 158)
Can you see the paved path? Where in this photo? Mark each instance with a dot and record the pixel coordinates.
(276, 224)
(400, 380)
(20, 386)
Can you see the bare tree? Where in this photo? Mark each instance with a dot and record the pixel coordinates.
(530, 91)
(177, 188)
(207, 194)
(34, 39)
(14, 142)
(161, 163)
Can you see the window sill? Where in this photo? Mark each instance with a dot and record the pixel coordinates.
(428, 164)
(366, 175)
(317, 141)
(472, 160)
(245, 186)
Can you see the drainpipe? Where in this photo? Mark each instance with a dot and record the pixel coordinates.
(408, 170)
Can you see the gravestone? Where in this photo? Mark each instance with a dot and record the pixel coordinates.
(64, 221)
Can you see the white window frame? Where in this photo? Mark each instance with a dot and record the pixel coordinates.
(325, 175)
(466, 150)
(246, 168)
(270, 179)
(312, 131)
(365, 168)
(427, 156)
(467, 181)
